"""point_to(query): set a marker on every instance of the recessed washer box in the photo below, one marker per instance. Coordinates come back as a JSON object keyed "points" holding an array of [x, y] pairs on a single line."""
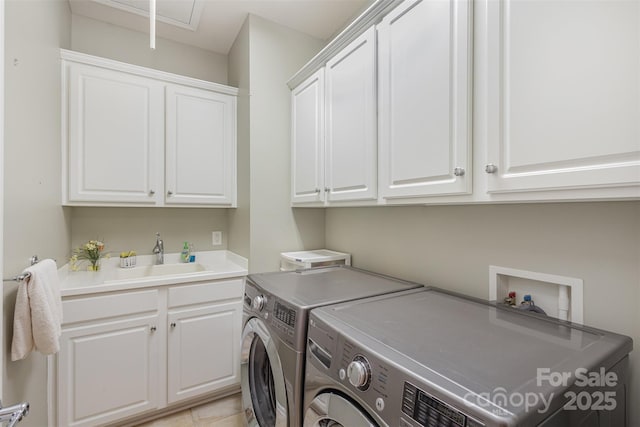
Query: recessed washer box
{"points": [[560, 296]]}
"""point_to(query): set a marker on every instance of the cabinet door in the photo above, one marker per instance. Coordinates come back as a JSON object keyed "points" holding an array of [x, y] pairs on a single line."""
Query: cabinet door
{"points": [[108, 371], [563, 94], [200, 147], [307, 136], [425, 99], [203, 349], [115, 136], [351, 145]]}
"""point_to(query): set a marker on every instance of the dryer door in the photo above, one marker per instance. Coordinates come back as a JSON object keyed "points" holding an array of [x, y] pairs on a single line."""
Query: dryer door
{"points": [[333, 410], [264, 396]]}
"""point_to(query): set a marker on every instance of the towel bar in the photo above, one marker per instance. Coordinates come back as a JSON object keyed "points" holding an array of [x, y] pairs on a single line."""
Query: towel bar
{"points": [[18, 278], [24, 276]]}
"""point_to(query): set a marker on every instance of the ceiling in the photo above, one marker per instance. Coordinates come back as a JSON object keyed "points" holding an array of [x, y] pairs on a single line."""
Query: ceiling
{"points": [[214, 24]]}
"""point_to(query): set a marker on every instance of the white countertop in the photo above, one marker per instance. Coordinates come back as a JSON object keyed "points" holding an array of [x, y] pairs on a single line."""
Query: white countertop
{"points": [[218, 265]]}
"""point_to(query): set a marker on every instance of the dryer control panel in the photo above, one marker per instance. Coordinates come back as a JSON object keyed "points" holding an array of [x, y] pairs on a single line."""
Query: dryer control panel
{"points": [[285, 314], [430, 411], [282, 319], [363, 376], [387, 390]]}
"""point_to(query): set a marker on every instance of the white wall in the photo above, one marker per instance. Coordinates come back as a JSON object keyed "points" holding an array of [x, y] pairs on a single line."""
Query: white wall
{"points": [[264, 56], [238, 219], [121, 44], [34, 221], [453, 246], [124, 229], [276, 53]]}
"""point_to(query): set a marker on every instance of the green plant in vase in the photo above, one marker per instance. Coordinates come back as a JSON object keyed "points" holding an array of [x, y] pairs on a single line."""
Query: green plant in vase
{"points": [[91, 251]]}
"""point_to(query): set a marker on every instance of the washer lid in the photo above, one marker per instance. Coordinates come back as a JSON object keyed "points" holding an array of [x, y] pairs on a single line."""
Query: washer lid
{"points": [[327, 285], [462, 345]]}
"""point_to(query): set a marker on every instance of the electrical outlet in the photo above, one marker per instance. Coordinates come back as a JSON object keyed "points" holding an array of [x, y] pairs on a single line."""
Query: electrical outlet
{"points": [[216, 238]]}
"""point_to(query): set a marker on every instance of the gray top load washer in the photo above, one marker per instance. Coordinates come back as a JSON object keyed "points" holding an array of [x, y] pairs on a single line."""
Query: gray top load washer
{"points": [[432, 358], [275, 318]]}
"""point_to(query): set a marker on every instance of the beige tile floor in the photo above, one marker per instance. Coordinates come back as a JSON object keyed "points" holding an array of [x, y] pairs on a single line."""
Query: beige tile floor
{"points": [[226, 412]]}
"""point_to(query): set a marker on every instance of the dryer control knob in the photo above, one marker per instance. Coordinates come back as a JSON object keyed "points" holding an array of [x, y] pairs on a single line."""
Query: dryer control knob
{"points": [[359, 373], [259, 302]]}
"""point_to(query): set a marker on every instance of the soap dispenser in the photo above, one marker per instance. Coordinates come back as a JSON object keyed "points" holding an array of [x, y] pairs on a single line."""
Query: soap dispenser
{"points": [[184, 255], [192, 253]]}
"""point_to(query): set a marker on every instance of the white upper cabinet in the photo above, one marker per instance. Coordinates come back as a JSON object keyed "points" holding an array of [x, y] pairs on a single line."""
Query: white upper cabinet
{"points": [[562, 96], [334, 145], [351, 142], [200, 146], [115, 136], [116, 151], [424, 78], [545, 93], [307, 137]]}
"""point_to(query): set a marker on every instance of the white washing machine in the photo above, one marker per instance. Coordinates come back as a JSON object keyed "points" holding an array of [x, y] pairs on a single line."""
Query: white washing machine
{"points": [[431, 358], [274, 336]]}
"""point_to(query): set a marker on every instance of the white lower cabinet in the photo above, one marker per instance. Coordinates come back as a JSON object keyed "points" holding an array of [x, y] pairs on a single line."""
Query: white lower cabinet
{"points": [[129, 353], [91, 373], [198, 360]]}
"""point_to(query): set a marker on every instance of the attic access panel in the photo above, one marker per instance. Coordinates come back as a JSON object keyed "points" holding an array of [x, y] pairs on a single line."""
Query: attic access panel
{"points": [[181, 13]]}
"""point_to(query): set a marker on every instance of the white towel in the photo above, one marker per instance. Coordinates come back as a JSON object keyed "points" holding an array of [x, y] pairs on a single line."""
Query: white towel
{"points": [[38, 314]]}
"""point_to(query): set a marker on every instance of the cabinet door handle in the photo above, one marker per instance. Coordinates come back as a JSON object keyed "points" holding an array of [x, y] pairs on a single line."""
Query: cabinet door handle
{"points": [[173, 324], [169, 193], [317, 190], [326, 189], [153, 328], [459, 171], [491, 168], [152, 192]]}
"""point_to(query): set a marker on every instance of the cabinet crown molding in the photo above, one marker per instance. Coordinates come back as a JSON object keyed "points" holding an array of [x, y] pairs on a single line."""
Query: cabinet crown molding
{"points": [[371, 16], [83, 58]]}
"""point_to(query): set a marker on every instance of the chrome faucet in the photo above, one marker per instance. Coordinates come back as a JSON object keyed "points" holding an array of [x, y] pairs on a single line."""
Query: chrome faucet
{"points": [[158, 250]]}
